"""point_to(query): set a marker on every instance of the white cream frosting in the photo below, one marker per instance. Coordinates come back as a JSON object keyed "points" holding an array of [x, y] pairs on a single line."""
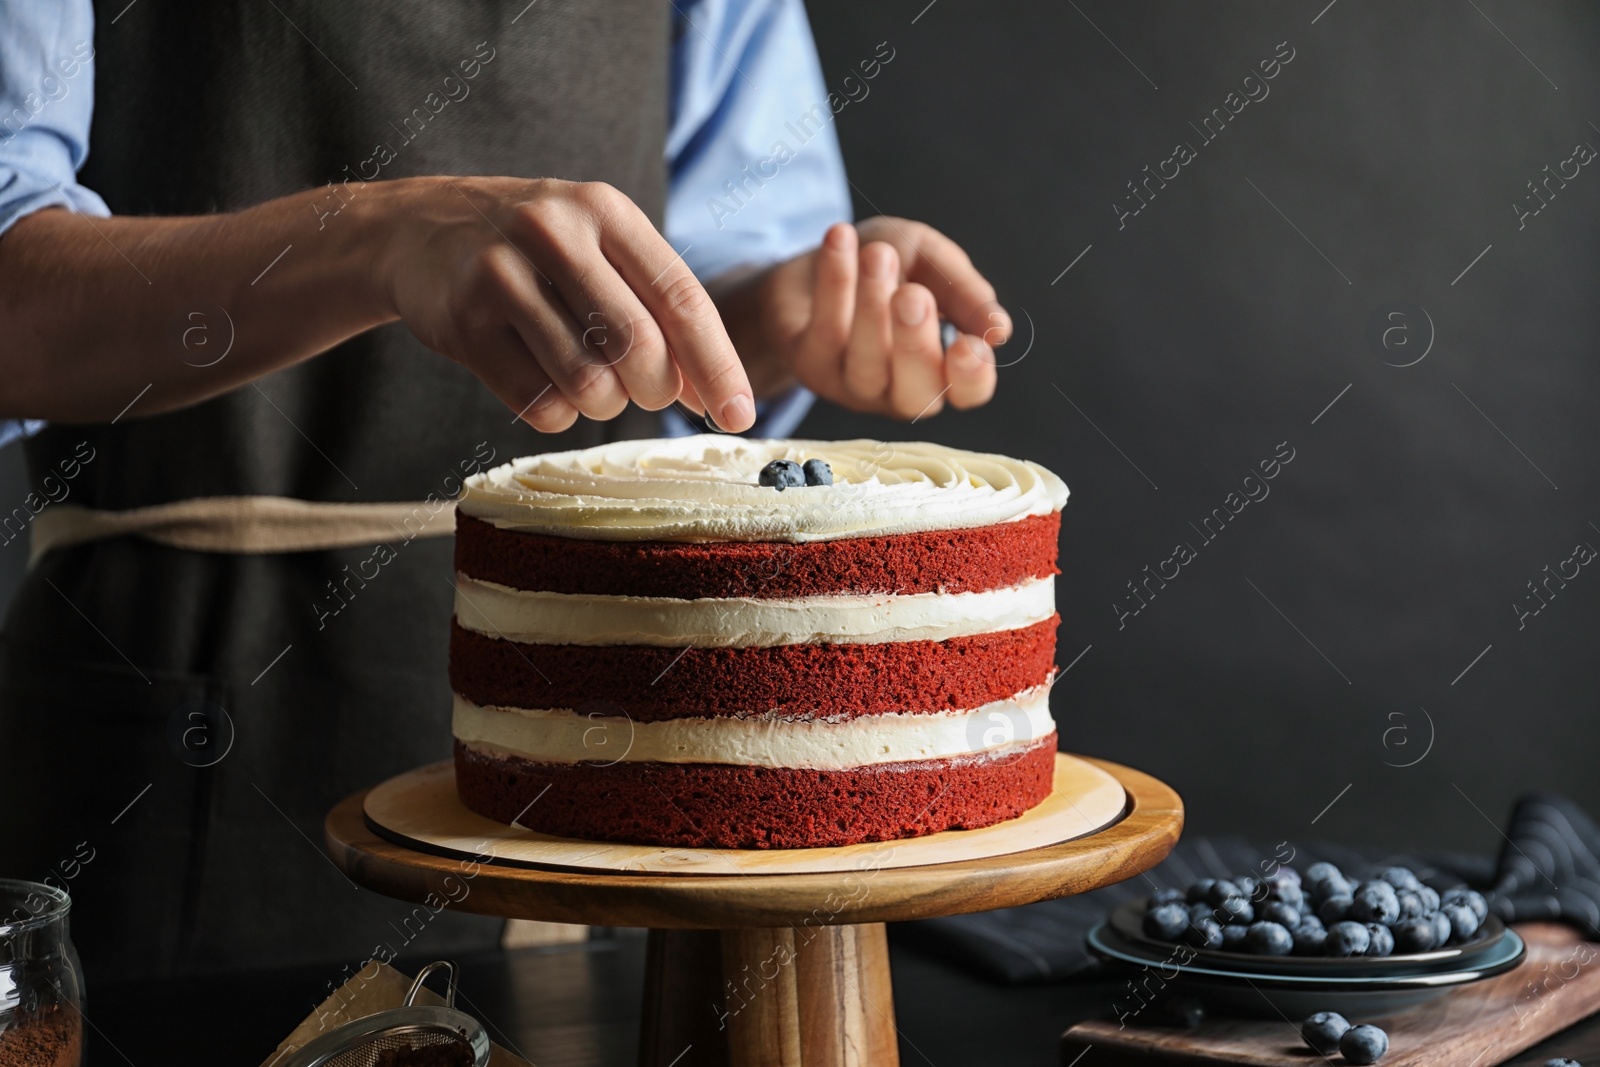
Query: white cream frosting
{"points": [[544, 618], [705, 488], [567, 736]]}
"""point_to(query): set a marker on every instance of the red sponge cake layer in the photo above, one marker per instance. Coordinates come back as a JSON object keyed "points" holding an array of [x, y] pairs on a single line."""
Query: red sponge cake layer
{"points": [[697, 805], [951, 561], [832, 681]]}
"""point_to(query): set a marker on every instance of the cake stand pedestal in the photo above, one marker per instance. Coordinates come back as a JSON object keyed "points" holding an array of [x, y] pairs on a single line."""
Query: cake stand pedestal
{"points": [[766, 969]]}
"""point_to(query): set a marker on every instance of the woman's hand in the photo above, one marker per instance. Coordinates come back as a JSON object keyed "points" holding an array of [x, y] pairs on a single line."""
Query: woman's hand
{"points": [[857, 321], [562, 297]]}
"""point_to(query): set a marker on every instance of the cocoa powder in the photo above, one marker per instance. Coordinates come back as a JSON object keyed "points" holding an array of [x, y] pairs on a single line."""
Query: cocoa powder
{"points": [[52, 1037], [450, 1054]]}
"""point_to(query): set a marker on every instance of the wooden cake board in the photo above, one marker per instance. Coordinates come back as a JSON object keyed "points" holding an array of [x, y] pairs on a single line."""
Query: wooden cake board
{"points": [[760, 966], [1488, 1022]]}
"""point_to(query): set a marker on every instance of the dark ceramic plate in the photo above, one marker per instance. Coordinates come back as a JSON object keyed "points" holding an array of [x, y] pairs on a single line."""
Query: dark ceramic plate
{"points": [[1128, 922], [1263, 993]]}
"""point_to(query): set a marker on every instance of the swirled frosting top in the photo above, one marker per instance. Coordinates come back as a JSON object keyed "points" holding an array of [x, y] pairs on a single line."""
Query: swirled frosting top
{"points": [[705, 488]]}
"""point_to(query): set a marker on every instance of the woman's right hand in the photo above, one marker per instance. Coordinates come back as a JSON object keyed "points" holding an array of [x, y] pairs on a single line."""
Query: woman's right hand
{"points": [[561, 296]]}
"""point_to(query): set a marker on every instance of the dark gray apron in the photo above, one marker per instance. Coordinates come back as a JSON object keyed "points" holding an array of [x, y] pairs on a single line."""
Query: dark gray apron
{"points": [[118, 653]]}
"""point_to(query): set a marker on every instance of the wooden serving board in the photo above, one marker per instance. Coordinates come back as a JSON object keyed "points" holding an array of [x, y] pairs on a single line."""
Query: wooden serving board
{"points": [[1556, 985], [421, 809]]}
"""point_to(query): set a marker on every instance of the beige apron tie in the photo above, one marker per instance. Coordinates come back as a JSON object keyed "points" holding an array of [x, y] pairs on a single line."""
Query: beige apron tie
{"points": [[244, 524]]}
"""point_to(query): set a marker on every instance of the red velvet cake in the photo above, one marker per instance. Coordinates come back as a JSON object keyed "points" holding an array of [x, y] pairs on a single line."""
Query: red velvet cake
{"points": [[653, 643]]}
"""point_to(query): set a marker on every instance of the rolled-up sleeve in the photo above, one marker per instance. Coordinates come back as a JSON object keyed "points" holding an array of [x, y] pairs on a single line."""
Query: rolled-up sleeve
{"points": [[46, 102]]}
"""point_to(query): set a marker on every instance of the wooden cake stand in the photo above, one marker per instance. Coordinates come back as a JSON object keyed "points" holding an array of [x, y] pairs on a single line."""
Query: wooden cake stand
{"points": [[776, 959]]}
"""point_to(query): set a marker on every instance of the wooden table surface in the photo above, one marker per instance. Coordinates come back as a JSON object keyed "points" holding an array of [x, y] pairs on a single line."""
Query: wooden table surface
{"points": [[578, 1006]]}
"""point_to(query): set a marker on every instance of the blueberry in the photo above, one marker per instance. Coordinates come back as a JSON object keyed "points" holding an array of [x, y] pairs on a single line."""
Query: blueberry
{"points": [[1250, 887], [1334, 909], [1375, 902], [1221, 890], [1276, 911], [1375, 887], [1348, 939], [1430, 898], [1382, 910], [1562, 1062], [1233, 938], [1268, 939], [1319, 872], [1201, 912], [1166, 923], [1415, 935], [1204, 934], [782, 474], [1310, 938], [1160, 897], [1463, 922], [1199, 890], [1364, 1044], [1335, 886], [1380, 940], [1411, 905], [1469, 897], [1323, 1030], [1185, 1012], [1235, 910], [1285, 874], [1289, 893], [1443, 928], [817, 472], [1401, 878]]}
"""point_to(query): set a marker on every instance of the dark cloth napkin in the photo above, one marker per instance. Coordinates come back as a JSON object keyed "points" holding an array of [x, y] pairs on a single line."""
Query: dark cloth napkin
{"points": [[1548, 868]]}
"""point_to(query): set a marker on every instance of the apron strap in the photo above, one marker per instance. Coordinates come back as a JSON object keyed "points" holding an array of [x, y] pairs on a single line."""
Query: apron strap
{"points": [[244, 524]]}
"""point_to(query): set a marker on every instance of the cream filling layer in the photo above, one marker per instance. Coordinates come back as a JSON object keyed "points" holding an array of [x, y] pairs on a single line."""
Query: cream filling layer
{"points": [[567, 736], [545, 618], [705, 488]]}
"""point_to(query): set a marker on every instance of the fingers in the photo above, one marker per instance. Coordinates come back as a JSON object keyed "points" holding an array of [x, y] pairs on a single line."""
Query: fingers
{"points": [[866, 358], [506, 366], [549, 332], [965, 296], [617, 332], [833, 303], [969, 368], [917, 383], [691, 399], [681, 307]]}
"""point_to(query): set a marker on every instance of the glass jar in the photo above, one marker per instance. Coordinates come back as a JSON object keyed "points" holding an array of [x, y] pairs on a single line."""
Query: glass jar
{"points": [[41, 991]]}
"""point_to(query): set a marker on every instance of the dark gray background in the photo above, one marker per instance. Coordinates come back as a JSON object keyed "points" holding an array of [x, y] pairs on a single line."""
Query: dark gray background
{"points": [[1209, 330]]}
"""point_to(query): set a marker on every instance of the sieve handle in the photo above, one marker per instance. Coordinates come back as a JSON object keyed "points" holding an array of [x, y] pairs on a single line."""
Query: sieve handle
{"points": [[422, 977]]}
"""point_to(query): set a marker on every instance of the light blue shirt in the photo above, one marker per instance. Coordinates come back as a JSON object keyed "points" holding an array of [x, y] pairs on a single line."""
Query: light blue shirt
{"points": [[754, 170]]}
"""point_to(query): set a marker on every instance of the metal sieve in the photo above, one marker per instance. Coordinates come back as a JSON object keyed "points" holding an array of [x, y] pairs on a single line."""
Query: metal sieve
{"points": [[362, 1043]]}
